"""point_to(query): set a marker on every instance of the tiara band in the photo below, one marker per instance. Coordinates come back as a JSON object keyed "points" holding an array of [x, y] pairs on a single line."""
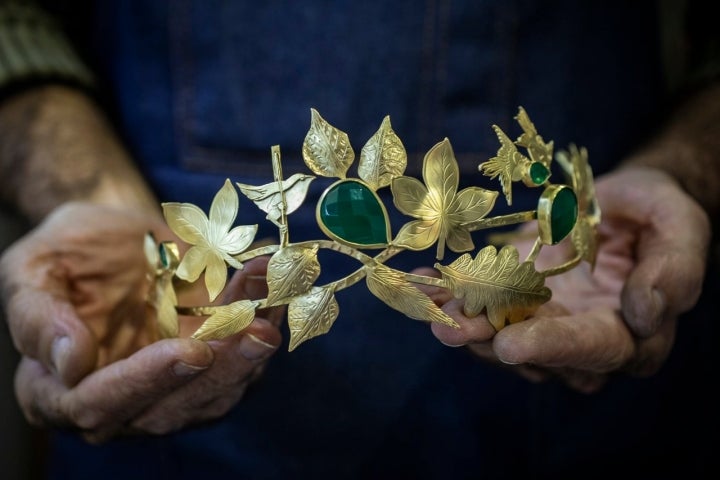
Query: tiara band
{"points": [[355, 220]]}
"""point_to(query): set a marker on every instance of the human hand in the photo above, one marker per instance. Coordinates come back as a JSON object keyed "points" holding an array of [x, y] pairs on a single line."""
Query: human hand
{"points": [[622, 316], [74, 291]]}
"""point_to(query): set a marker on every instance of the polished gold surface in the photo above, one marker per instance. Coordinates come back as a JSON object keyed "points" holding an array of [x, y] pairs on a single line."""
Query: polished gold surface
{"points": [[495, 282]]}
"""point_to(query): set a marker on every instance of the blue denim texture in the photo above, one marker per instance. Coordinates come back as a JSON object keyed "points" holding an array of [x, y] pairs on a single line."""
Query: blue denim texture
{"points": [[204, 88]]}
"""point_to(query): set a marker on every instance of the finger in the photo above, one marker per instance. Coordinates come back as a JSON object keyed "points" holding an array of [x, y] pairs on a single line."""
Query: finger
{"points": [[472, 330], [437, 294], [250, 282], [582, 381], [104, 400], [672, 248], [44, 326], [237, 361], [597, 341], [653, 351], [531, 373]]}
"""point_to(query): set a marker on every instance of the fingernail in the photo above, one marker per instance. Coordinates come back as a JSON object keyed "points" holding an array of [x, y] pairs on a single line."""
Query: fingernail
{"points": [[182, 369], [253, 348], [59, 353]]}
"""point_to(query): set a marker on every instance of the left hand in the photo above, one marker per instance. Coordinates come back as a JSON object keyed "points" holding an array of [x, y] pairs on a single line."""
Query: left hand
{"points": [[620, 317]]}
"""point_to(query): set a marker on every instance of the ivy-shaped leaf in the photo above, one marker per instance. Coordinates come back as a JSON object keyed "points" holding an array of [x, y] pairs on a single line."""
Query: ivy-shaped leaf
{"points": [[227, 320], [382, 158], [326, 149], [508, 289], [390, 286], [311, 315], [291, 272]]}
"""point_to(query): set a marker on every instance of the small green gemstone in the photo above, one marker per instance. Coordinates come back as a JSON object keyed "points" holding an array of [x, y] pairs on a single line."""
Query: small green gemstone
{"points": [[539, 173], [163, 256], [563, 214], [354, 214]]}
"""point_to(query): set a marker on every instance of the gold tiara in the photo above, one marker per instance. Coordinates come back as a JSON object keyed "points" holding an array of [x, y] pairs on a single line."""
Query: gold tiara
{"points": [[355, 220]]}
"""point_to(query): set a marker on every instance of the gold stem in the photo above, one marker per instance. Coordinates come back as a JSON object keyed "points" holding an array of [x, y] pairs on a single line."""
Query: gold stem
{"points": [[569, 265], [277, 173], [535, 250], [501, 220], [340, 284], [433, 281]]}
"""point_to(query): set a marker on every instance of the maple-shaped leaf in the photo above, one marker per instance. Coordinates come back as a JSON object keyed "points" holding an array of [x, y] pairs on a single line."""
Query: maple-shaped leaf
{"points": [[441, 211], [537, 148], [227, 320], [498, 282], [507, 164], [311, 315], [269, 197], [390, 286], [326, 149], [291, 271], [382, 158], [212, 239]]}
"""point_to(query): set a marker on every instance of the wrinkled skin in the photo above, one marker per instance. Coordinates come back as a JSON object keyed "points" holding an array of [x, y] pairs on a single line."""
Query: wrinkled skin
{"points": [[620, 317], [74, 291]]}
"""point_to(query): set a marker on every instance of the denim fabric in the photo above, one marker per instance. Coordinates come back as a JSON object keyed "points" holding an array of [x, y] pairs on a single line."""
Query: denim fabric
{"points": [[204, 88]]}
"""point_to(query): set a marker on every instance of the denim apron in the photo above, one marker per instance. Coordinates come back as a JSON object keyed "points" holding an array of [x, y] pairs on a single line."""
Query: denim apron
{"points": [[204, 88]]}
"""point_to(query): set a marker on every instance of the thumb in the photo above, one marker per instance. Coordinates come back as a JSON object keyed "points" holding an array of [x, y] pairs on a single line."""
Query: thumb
{"points": [[46, 328]]}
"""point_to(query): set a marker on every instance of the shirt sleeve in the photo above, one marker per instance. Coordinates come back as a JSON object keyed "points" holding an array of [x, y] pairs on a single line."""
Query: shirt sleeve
{"points": [[34, 49]]}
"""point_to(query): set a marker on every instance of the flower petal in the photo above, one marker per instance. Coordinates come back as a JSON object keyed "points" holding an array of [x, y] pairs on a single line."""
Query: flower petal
{"points": [[223, 211], [192, 264], [215, 275], [238, 239], [187, 221]]}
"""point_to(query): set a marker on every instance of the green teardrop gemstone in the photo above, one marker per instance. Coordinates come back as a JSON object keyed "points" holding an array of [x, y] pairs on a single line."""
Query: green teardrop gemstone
{"points": [[352, 213], [538, 173], [563, 214]]}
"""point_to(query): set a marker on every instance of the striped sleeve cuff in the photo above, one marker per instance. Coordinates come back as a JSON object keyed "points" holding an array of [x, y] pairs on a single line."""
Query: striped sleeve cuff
{"points": [[34, 48]]}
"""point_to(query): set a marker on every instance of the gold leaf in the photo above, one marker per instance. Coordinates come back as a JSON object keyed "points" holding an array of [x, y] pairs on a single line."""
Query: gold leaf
{"points": [[443, 214], [390, 286], [166, 314], [507, 164], [584, 239], [186, 220], [417, 235], [311, 315], [382, 158], [161, 296], [291, 272], [537, 148], [509, 290], [269, 197], [326, 149], [227, 320], [576, 167]]}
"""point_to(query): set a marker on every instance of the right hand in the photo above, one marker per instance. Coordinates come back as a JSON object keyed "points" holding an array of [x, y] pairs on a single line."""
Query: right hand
{"points": [[74, 293]]}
